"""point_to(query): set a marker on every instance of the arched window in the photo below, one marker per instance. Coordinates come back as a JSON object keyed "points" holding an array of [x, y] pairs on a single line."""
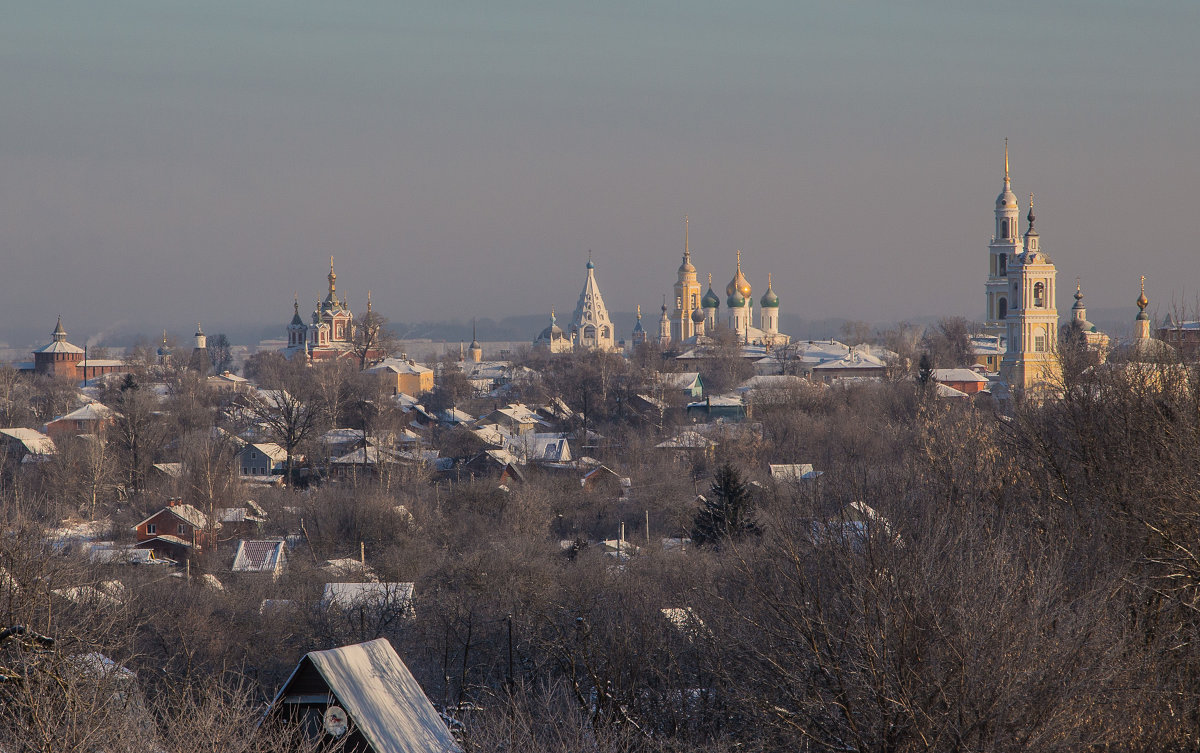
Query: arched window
{"points": [[1039, 295], [1002, 309], [1002, 265]]}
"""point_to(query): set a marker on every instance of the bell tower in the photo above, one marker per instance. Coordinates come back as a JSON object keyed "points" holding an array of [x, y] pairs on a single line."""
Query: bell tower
{"points": [[1030, 363], [1003, 249]]}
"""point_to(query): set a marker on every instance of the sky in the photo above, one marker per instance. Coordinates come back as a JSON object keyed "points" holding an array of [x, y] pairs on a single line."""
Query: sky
{"points": [[163, 163]]}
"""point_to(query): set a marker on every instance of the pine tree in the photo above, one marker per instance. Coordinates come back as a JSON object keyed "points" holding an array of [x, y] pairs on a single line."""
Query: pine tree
{"points": [[925, 370], [728, 514]]}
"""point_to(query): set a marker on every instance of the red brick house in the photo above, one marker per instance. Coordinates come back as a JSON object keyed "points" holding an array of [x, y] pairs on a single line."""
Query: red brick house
{"points": [[963, 380], [177, 532]]}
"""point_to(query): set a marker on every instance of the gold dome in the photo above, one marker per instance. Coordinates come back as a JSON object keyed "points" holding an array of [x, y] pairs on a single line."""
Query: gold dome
{"points": [[739, 281]]}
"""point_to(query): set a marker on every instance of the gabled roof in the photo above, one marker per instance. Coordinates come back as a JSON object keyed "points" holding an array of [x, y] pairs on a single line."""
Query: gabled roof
{"points": [[34, 442], [793, 471], [270, 449], [399, 366], [383, 699], [186, 513], [259, 556], [687, 440], [89, 412]]}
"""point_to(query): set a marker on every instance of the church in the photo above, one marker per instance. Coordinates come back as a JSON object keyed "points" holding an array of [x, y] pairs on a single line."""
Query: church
{"points": [[330, 335], [695, 317]]}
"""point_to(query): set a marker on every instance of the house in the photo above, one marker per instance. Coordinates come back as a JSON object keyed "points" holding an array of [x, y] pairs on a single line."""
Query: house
{"points": [[26, 445], [176, 531], [261, 459], [241, 521], [363, 698], [229, 382], [260, 556], [725, 406], [365, 460], [373, 595], [92, 418], [858, 364], [687, 384], [498, 464], [688, 442], [402, 375], [963, 380], [988, 351], [605, 480], [793, 472]]}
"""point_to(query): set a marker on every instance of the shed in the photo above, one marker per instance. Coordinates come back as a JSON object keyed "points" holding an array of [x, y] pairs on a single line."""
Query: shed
{"points": [[365, 695]]}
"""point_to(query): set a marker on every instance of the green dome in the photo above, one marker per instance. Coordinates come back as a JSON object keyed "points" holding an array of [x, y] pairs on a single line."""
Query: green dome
{"points": [[770, 300], [735, 300], [710, 300]]}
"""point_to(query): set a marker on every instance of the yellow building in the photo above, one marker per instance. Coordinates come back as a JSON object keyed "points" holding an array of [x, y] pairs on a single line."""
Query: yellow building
{"points": [[402, 375], [1030, 365]]}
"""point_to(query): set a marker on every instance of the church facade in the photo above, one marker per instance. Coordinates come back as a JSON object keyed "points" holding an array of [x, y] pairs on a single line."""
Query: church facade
{"points": [[330, 333]]}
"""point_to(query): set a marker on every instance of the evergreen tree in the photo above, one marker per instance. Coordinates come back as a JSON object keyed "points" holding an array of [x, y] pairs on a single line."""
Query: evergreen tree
{"points": [[728, 514], [925, 370]]}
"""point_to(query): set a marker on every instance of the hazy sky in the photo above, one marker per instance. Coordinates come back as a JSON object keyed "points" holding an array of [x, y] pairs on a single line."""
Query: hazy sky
{"points": [[163, 163]]}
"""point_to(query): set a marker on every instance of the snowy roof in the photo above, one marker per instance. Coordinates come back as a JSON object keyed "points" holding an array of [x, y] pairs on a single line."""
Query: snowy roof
{"points": [[381, 696], [369, 456], [187, 513], [685, 380], [271, 450], [174, 470], [34, 442], [259, 556], [688, 440], [346, 566], [945, 390], [793, 471], [958, 375], [772, 382], [855, 359], [60, 346], [399, 366], [89, 412], [347, 595]]}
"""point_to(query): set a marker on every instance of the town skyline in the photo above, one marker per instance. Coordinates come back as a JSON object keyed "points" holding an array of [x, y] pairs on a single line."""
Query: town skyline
{"points": [[203, 164]]}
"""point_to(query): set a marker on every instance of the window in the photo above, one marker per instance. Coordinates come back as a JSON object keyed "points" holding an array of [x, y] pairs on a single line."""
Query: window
{"points": [[1002, 309], [678, 303], [1002, 262], [151, 529], [183, 529], [1039, 295], [1039, 343], [694, 302]]}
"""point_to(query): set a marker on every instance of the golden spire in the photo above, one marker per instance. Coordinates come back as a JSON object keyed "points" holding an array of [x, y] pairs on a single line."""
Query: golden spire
{"points": [[1142, 301], [687, 251], [296, 303], [739, 258], [332, 276], [768, 280], [368, 301], [710, 279], [639, 309]]}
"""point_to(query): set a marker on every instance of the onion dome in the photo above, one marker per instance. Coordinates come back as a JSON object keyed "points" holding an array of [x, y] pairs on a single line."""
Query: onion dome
{"points": [[739, 282], [710, 299], [1142, 302], [735, 300], [697, 316], [1031, 218], [769, 299]]}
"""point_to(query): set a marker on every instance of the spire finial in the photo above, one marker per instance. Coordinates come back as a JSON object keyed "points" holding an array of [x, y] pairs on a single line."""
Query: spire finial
{"points": [[368, 300], [768, 280], [1142, 301], [1078, 290], [739, 260], [664, 309], [332, 276], [639, 310], [1030, 216], [296, 303], [710, 279], [687, 249], [552, 319], [473, 323], [1006, 160]]}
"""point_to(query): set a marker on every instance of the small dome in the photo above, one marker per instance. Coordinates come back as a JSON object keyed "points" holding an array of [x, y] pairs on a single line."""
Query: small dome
{"points": [[590, 265], [710, 299], [769, 299], [735, 300], [1007, 199], [686, 268], [698, 316]]}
